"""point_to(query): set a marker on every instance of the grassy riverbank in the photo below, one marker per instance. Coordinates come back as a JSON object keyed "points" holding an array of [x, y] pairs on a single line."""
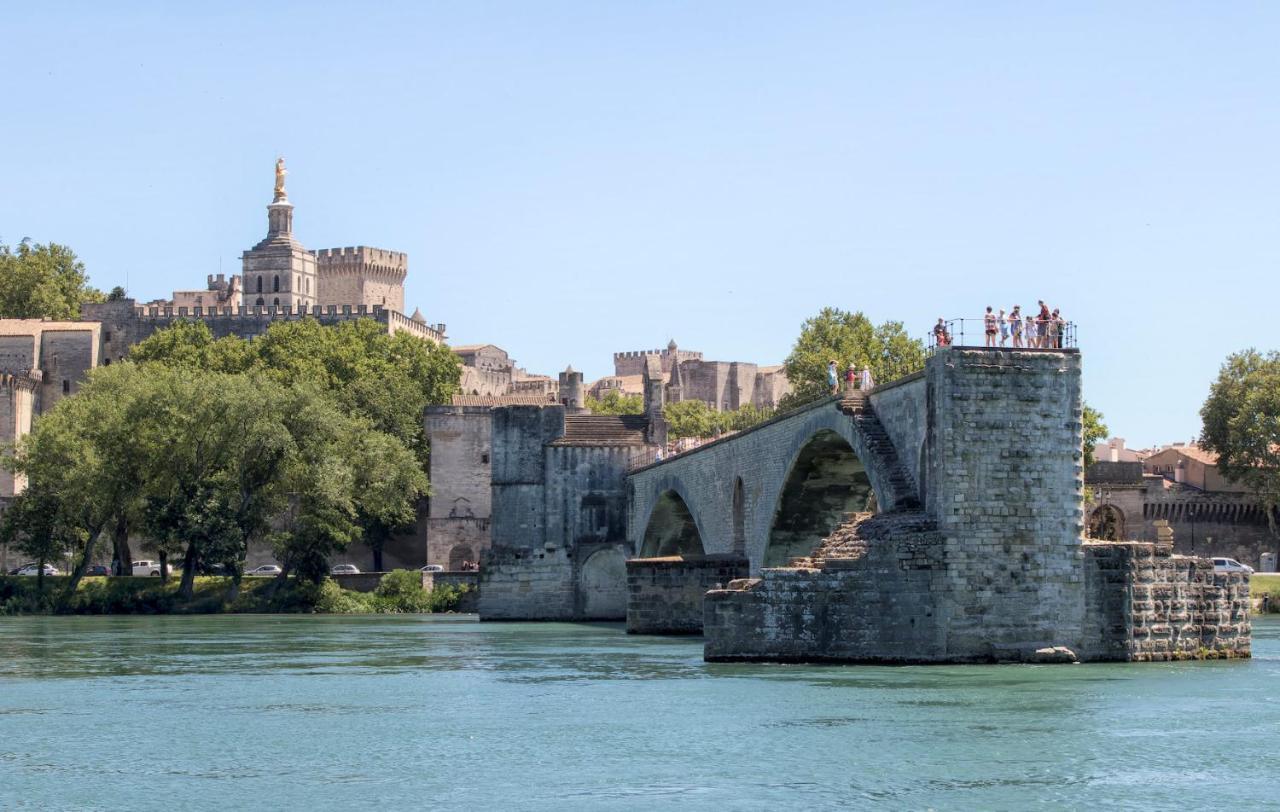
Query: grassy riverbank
{"points": [[1266, 584], [398, 592]]}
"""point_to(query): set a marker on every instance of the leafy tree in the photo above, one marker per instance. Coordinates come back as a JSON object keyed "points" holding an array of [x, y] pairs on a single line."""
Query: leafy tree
{"points": [[117, 294], [31, 526], [1095, 431], [388, 379], [689, 418], [614, 402], [847, 338], [1242, 424], [42, 281]]}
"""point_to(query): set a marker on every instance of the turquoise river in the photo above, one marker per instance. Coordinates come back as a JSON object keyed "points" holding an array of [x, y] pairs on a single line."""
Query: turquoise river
{"points": [[312, 713]]}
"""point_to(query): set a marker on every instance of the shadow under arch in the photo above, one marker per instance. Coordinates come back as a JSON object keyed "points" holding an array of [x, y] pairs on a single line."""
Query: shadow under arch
{"points": [[671, 529], [826, 481]]}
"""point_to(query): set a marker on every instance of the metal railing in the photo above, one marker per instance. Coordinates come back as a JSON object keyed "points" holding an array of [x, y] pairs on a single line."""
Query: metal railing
{"points": [[969, 332]]}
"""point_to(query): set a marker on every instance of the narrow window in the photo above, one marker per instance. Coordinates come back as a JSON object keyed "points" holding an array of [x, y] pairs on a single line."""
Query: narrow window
{"points": [[276, 301], [106, 335], [484, 459], [259, 286], [275, 284], [66, 386]]}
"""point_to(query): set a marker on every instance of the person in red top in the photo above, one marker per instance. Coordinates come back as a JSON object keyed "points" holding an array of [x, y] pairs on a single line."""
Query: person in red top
{"points": [[1043, 320]]}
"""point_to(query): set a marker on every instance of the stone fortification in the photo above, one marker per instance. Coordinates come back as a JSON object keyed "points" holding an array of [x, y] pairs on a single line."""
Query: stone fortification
{"points": [[558, 527], [665, 595], [1144, 603], [360, 275]]}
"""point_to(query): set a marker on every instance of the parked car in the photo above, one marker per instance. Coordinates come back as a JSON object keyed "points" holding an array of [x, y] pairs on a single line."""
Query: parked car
{"points": [[265, 569], [1231, 565], [432, 568], [147, 567], [98, 569], [34, 569], [345, 569], [14, 571]]}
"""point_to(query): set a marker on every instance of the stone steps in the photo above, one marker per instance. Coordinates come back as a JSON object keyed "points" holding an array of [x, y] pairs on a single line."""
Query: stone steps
{"points": [[877, 442], [852, 538]]}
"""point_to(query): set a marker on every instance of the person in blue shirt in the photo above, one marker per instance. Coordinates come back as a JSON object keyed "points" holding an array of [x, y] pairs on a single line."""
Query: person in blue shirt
{"points": [[833, 377]]}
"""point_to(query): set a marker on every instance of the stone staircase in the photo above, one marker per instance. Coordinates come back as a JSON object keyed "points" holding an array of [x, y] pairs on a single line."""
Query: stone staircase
{"points": [[853, 537], [903, 489]]}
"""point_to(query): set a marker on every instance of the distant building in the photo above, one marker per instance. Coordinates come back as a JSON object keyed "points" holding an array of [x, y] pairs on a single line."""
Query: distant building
{"points": [[1192, 466], [722, 385], [1179, 484]]}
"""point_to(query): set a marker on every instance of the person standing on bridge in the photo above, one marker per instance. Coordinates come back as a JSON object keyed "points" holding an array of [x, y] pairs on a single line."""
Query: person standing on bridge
{"points": [[833, 377], [989, 327], [850, 379], [1015, 325], [867, 382]]}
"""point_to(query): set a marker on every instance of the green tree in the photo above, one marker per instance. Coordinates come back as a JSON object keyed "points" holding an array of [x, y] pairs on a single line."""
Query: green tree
{"points": [[689, 418], [42, 281], [1242, 424], [1095, 431], [847, 338], [614, 402]]}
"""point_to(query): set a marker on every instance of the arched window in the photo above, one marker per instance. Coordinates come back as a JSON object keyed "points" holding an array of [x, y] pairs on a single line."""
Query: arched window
{"points": [[260, 302], [308, 284], [259, 287], [275, 285], [276, 301]]}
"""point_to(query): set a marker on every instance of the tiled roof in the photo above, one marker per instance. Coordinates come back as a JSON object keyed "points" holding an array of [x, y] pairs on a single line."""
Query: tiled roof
{"points": [[1195, 452], [603, 429]]}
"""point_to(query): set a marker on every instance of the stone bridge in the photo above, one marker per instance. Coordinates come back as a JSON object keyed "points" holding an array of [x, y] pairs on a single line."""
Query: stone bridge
{"points": [[935, 519], [771, 492]]}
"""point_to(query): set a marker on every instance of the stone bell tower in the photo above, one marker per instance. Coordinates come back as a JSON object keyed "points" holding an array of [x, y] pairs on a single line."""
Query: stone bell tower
{"points": [[279, 271]]}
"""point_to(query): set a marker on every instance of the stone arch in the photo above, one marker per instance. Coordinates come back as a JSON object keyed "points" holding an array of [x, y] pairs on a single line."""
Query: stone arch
{"points": [[1106, 523], [671, 529], [602, 583], [459, 554], [739, 518], [826, 480], [648, 502]]}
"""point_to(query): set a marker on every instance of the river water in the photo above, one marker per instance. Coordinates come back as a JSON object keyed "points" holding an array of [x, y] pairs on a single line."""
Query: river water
{"points": [[293, 712]]}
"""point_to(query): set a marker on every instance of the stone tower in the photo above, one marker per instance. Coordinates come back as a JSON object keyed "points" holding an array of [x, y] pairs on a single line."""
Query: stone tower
{"points": [[279, 272], [571, 391]]}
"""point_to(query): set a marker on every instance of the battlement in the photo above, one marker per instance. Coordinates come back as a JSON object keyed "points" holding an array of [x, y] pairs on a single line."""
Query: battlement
{"points": [[363, 253], [325, 314], [683, 355], [28, 381]]}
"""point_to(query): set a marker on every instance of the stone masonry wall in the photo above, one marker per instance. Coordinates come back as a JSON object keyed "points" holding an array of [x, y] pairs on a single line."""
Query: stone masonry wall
{"points": [[903, 409], [665, 595], [1145, 603], [1005, 471]]}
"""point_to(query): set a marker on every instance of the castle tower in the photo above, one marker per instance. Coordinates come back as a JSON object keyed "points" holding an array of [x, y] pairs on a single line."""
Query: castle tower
{"points": [[279, 271], [571, 391]]}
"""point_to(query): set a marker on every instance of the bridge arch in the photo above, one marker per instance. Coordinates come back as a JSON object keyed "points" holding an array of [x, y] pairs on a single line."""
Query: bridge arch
{"points": [[671, 529], [825, 480]]}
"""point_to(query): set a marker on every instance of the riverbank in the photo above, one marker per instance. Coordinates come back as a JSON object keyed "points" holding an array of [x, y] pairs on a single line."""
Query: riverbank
{"points": [[399, 592], [1267, 584]]}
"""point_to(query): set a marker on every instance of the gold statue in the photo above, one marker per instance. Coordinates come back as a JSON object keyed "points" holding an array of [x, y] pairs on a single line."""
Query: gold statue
{"points": [[280, 173]]}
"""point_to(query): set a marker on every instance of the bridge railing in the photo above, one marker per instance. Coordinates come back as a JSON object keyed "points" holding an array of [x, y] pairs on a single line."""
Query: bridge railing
{"points": [[971, 332]]}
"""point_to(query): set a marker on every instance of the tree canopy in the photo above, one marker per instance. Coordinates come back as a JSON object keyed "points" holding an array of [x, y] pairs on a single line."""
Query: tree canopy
{"points": [[386, 379], [614, 402], [1242, 423], [848, 338], [1095, 431], [694, 418], [42, 281]]}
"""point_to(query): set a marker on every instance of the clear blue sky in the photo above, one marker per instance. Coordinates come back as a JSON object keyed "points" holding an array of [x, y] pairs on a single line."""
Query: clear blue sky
{"points": [[571, 179]]}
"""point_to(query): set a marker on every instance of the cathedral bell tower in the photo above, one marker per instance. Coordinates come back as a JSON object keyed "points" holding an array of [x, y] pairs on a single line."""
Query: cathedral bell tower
{"points": [[279, 272]]}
